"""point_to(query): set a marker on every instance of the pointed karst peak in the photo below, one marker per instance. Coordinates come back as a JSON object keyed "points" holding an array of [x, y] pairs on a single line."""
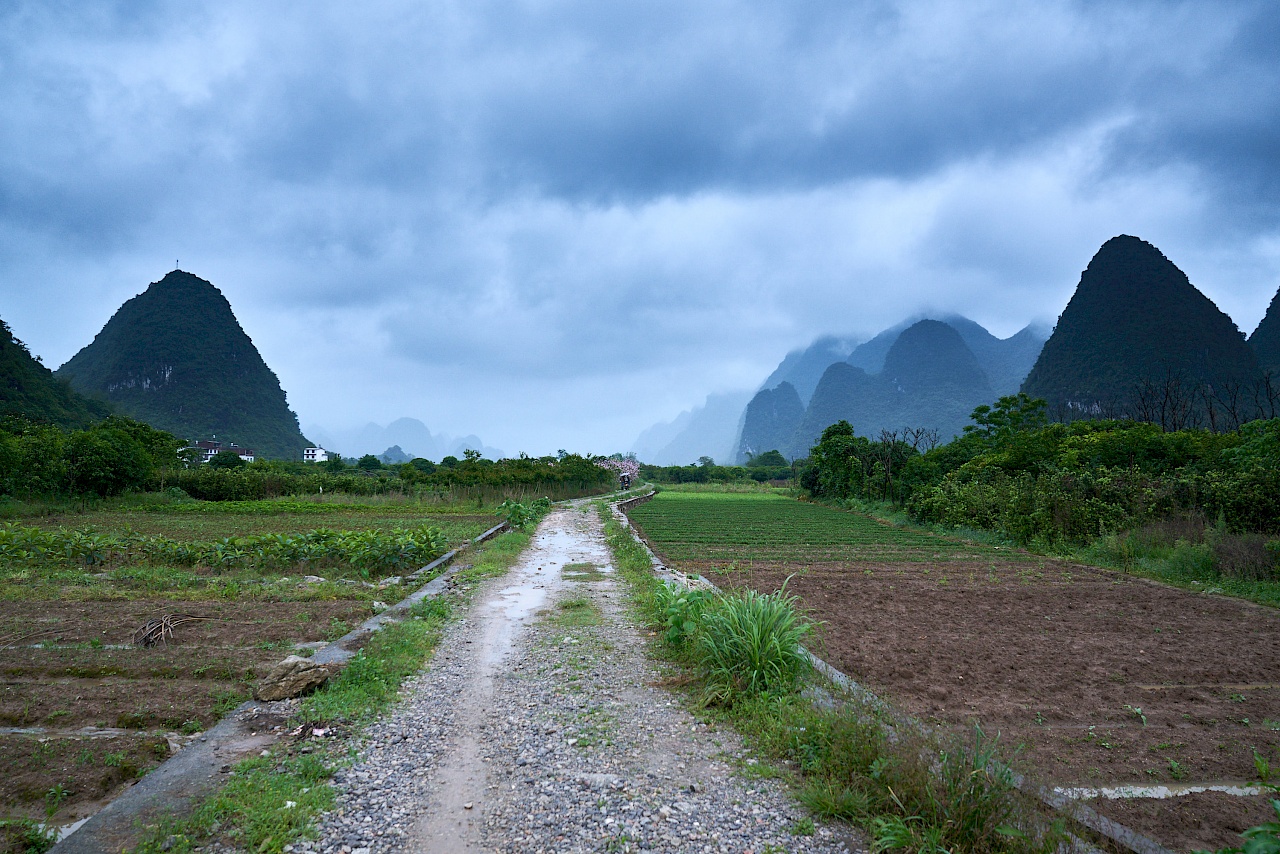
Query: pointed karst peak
{"points": [[1136, 319], [1129, 272], [930, 353], [176, 357]]}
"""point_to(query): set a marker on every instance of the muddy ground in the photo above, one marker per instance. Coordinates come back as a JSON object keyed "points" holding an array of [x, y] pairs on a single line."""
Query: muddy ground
{"points": [[81, 708], [1096, 678]]}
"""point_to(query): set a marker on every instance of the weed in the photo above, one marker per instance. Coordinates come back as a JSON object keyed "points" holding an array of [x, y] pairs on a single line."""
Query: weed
{"points": [[578, 611], [682, 609], [224, 700], [1137, 712], [803, 827], [1176, 771]]}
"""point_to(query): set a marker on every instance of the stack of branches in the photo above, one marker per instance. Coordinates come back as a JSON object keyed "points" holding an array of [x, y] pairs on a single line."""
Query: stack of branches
{"points": [[158, 630]]}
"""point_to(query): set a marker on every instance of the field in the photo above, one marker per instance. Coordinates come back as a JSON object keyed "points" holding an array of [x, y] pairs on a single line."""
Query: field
{"points": [[1099, 678], [85, 711]]}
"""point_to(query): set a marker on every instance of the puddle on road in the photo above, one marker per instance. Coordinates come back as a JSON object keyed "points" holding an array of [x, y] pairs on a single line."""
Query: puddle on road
{"points": [[531, 584]]}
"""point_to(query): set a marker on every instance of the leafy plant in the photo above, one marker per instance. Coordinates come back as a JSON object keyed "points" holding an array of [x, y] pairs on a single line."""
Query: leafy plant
{"points": [[518, 515], [682, 609]]}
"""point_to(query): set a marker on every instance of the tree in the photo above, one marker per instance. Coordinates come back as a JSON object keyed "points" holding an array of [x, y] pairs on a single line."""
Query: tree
{"points": [[1012, 413], [769, 459], [106, 461], [226, 460], [369, 463]]}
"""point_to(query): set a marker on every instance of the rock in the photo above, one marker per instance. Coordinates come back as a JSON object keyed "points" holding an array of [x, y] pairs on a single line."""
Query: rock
{"points": [[293, 677], [312, 579], [379, 607]]}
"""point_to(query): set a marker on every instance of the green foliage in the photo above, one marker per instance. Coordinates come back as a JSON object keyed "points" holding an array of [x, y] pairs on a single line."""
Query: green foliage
{"points": [[706, 471], [227, 460], [114, 456], [30, 390], [844, 465], [520, 515], [682, 609], [750, 643], [371, 553], [369, 463]]}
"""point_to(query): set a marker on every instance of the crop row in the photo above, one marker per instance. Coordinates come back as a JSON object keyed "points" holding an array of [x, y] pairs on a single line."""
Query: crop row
{"points": [[371, 553], [694, 526]]}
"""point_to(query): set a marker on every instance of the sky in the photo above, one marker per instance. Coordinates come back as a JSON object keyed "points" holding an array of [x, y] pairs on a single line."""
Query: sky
{"points": [[553, 224]]}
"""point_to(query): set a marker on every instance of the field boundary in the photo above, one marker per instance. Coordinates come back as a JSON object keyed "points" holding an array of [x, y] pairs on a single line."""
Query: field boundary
{"points": [[194, 770], [1080, 813]]}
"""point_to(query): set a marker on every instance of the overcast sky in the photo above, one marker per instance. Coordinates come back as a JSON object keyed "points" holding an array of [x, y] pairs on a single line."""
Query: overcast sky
{"points": [[554, 223]]}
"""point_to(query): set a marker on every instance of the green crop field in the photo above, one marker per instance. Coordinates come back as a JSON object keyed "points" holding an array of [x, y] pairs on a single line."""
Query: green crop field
{"points": [[213, 520], [761, 527]]}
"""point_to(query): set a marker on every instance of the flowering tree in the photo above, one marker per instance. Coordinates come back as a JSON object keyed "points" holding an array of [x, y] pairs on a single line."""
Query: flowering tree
{"points": [[622, 468]]}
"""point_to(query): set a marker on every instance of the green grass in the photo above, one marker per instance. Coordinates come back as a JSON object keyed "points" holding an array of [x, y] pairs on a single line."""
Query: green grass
{"points": [[574, 612], [767, 527], [1188, 565], [254, 518]]}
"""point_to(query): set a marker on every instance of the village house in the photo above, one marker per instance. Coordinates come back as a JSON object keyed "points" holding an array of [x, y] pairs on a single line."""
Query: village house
{"points": [[209, 449]]}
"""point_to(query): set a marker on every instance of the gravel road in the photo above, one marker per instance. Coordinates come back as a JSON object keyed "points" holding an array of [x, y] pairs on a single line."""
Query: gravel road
{"points": [[541, 726]]}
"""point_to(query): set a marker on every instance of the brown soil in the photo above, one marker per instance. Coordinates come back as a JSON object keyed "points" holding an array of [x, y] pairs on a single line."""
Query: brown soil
{"points": [[87, 769], [234, 623], [63, 673], [1062, 660], [1207, 821]]}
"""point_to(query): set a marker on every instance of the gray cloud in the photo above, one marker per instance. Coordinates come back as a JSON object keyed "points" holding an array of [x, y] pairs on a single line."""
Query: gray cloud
{"points": [[522, 206]]}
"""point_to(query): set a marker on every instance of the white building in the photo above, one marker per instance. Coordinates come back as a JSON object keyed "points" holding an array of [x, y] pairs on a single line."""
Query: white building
{"points": [[209, 449], [315, 455]]}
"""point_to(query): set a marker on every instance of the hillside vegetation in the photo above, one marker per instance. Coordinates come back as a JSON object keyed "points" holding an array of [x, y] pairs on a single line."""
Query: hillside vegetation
{"points": [[30, 390], [1138, 340], [176, 357]]}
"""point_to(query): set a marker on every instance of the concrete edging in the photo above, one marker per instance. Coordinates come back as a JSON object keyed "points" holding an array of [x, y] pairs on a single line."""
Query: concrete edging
{"points": [[177, 782], [1080, 813]]}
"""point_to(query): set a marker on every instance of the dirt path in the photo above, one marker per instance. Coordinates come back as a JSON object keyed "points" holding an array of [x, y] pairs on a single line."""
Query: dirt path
{"points": [[540, 726]]}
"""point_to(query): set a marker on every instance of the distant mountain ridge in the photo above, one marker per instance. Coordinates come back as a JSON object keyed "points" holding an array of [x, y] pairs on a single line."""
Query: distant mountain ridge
{"points": [[1135, 333], [176, 357], [30, 390], [409, 435], [930, 378], [708, 430], [803, 368]]}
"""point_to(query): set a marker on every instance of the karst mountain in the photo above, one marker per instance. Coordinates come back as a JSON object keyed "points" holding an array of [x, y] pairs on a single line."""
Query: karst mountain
{"points": [[1138, 339], [176, 357]]}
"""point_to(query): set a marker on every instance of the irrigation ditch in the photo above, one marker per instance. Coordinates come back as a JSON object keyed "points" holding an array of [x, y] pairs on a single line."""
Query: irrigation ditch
{"points": [[252, 727], [1064, 803]]}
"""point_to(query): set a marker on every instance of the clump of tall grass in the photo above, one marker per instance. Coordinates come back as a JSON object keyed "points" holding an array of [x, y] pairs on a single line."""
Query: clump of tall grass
{"points": [[749, 643]]}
